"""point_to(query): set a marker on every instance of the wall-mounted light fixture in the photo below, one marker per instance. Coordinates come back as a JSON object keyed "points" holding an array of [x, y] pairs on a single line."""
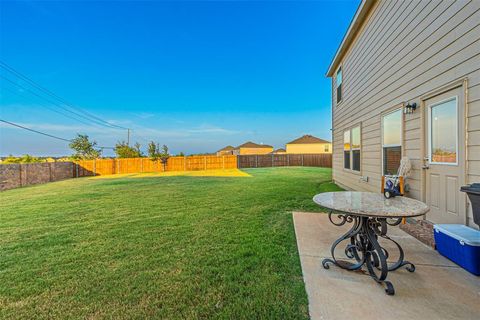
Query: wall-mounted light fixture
{"points": [[409, 108]]}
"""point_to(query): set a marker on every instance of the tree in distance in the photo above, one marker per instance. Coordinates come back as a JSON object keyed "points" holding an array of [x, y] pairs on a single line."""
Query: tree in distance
{"points": [[84, 148], [123, 150], [157, 153]]}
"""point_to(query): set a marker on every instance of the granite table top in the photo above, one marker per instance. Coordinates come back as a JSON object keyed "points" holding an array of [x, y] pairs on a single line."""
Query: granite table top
{"points": [[371, 204]]}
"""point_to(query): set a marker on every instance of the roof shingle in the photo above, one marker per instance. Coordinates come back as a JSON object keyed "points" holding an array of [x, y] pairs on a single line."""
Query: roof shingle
{"points": [[250, 144], [227, 148], [308, 139]]}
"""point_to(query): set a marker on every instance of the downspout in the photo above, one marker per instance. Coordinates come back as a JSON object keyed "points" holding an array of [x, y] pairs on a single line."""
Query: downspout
{"points": [[465, 88], [331, 126]]}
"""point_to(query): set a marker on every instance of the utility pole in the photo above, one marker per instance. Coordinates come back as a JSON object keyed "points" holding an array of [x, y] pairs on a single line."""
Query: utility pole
{"points": [[128, 137]]}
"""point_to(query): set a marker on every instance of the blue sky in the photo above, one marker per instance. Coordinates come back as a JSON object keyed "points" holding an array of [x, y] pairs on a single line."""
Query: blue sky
{"points": [[193, 75]]}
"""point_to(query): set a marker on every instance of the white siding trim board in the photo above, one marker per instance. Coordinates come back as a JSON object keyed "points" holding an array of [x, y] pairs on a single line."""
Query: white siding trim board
{"points": [[414, 72], [396, 67], [397, 51], [367, 61], [416, 90], [359, 44]]}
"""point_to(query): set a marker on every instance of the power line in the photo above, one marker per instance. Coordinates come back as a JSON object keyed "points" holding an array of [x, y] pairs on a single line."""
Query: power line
{"points": [[56, 104], [43, 133], [32, 130], [73, 111], [83, 114], [47, 107], [45, 90], [139, 136]]}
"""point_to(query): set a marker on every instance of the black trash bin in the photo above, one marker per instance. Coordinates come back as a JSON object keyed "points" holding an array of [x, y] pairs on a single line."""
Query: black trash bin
{"points": [[473, 192]]}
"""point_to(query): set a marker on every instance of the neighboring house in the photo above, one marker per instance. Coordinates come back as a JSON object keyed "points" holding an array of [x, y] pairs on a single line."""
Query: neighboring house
{"points": [[397, 54], [228, 150], [252, 148], [279, 151], [309, 144]]}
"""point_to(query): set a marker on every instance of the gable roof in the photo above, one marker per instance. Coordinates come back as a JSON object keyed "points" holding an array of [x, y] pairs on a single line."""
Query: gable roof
{"points": [[308, 139], [250, 144], [227, 148], [355, 25]]}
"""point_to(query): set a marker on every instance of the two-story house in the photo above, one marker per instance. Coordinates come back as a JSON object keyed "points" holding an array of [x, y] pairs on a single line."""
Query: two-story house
{"points": [[309, 144], [406, 82], [252, 148]]}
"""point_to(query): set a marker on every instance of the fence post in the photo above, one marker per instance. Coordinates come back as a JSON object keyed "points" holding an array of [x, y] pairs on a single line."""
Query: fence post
{"points": [[302, 160], [50, 170], [184, 163], [20, 173], [256, 161], [223, 162], [205, 162], [94, 167], [76, 169], [141, 165], [238, 162], [288, 160], [272, 161]]}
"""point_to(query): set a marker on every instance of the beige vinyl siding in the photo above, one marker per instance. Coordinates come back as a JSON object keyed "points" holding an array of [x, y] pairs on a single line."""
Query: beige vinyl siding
{"points": [[406, 50]]}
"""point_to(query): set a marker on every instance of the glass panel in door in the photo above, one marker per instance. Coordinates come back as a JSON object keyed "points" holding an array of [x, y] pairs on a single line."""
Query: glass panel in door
{"points": [[443, 132]]}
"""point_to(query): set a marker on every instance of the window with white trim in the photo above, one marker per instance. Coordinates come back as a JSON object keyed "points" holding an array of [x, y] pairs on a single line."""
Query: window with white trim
{"points": [[356, 148], [346, 149], [351, 149], [339, 80], [392, 141]]}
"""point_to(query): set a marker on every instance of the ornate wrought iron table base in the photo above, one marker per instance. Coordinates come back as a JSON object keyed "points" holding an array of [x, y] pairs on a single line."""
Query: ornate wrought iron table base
{"points": [[364, 248]]}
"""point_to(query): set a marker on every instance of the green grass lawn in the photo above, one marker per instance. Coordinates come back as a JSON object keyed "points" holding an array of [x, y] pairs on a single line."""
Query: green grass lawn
{"points": [[157, 247]]}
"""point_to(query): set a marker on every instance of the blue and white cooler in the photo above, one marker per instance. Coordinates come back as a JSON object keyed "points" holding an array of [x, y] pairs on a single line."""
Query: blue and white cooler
{"points": [[459, 243]]}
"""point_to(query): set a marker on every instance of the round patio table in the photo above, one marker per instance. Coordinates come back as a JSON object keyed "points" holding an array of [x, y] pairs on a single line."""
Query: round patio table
{"points": [[369, 213]]}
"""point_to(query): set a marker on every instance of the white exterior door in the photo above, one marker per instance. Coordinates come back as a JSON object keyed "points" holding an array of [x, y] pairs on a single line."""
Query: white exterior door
{"points": [[445, 157]]}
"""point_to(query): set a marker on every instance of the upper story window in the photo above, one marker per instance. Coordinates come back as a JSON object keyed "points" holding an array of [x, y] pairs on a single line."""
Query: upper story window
{"points": [[339, 85], [326, 148], [392, 141], [351, 149]]}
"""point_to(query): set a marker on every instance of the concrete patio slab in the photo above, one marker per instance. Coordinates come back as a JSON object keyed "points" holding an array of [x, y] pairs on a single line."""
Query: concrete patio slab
{"points": [[438, 289]]}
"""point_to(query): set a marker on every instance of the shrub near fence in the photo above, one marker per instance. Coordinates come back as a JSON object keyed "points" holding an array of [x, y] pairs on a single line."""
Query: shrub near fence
{"points": [[283, 160], [139, 165]]}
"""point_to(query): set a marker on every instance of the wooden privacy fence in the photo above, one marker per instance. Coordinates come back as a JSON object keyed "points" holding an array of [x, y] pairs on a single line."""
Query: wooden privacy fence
{"points": [[284, 160], [192, 163], [138, 165]]}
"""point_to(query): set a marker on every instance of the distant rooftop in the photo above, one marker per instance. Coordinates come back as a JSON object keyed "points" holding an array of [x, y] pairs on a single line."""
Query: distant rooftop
{"points": [[308, 139], [227, 148], [250, 144]]}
